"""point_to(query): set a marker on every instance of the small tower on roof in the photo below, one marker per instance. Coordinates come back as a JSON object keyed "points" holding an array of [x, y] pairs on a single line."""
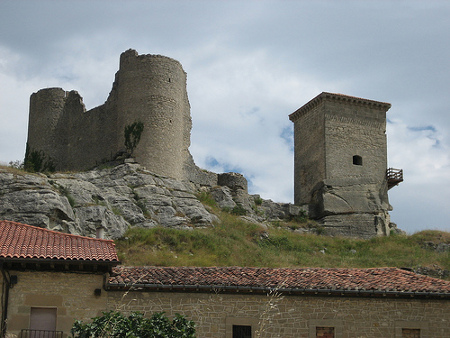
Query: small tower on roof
{"points": [[340, 164]]}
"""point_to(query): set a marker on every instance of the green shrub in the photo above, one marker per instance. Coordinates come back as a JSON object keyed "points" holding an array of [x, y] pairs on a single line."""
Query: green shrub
{"points": [[206, 198], [132, 134], [36, 161], [258, 200], [65, 192], [239, 210], [16, 165], [115, 324]]}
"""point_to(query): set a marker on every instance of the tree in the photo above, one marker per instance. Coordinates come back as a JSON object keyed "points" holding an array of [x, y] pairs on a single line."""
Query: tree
{"points": [[132, 134], [115, 324]]}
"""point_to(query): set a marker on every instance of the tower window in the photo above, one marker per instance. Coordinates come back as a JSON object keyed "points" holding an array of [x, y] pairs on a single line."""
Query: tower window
{"points": [[357, 160]]}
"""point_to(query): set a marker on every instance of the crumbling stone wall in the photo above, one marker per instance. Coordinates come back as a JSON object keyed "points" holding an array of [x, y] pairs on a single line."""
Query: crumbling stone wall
{"points": [[148, 88], [340, 164]]}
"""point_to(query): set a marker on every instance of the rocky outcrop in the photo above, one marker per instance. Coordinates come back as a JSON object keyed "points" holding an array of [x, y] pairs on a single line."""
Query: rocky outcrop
{"points": [[344, 208], [117, 198]]}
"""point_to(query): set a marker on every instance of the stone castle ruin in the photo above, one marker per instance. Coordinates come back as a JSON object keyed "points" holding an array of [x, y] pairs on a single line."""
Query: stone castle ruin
{"points": [[340, 164], [340, 142], [150, 89]]}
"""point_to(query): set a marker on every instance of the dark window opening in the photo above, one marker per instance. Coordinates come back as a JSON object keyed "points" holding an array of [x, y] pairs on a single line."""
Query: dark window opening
{"points": [[242, 331], [357, 160], [324, 332], [411, 333]]}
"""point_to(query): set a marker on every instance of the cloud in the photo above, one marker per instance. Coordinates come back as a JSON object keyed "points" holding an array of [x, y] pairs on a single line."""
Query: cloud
{"points": [[421, 201], [249, 65]]}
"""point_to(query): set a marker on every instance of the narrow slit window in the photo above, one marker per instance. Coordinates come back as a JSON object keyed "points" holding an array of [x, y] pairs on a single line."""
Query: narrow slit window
{"points": [[357, 160]]}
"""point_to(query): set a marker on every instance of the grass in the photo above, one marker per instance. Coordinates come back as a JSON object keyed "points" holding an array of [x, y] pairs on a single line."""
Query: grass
{"points": [[15, 171], [235, 242]]}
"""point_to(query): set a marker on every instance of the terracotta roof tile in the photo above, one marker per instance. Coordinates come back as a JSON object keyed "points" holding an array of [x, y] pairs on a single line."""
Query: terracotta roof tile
{"points": [[25, 241], [320, 279]]}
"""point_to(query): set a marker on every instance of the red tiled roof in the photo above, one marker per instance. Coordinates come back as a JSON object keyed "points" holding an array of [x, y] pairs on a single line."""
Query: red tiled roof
{"points": [[374, 280], [25, 241]]}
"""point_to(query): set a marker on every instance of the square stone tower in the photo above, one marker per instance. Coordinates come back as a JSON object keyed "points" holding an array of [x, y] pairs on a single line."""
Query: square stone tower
{"points": [[340, 164]]}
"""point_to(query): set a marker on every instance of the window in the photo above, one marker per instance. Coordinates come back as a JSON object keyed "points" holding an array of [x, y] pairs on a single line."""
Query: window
{"points": [[324, 332], [242, 331], [325, 328], [410, 333], [240, 327], [357, 160], [411, 329], [42, 322]]}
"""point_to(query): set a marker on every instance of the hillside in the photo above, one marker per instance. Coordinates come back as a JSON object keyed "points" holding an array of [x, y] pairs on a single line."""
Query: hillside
{"points": [[119, 197], [235, 242], [161, 221]]}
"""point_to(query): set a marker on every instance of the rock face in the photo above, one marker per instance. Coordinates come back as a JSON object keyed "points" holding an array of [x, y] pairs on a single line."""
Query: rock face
{"points": [[127, 195]]}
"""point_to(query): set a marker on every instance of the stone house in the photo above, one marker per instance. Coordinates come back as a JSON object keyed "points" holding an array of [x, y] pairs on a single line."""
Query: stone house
{"points": [[50, 278], [58, 278]]}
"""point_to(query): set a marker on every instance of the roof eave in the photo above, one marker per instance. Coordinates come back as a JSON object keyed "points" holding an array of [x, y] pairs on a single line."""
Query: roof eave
{"points": [[266, 290]]}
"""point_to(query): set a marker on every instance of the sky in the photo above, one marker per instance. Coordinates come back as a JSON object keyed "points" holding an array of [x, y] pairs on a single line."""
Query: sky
{"points": [[249, 65]]}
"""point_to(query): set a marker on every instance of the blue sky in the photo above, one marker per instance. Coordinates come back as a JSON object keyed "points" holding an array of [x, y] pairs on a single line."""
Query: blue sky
{"points": [[249, 65]]}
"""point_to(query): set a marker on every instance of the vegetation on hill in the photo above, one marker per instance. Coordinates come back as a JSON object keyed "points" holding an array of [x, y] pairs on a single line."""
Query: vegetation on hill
{"points": [[236, 242]]}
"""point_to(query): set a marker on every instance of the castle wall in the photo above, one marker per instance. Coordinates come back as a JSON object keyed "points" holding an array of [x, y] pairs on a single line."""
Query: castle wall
{"points": [[148, 88], [355, 130], [152, 89], [309, 158], [46, 109]]}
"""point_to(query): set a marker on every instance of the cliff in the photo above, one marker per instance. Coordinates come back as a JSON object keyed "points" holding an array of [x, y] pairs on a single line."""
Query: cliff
{"points": [[117, 198]]}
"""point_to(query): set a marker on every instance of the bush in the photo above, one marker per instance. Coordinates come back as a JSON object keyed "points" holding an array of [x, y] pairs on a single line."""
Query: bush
{"points": [[115, 324], [36, 161], [239, 210], [206, 199], [132, 134]]}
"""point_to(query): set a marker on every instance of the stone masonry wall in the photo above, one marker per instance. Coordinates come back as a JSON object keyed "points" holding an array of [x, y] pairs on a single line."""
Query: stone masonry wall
{"points": [[309, 159], [355, 130], [148, 88], [152, 89], [292, 316], [340, 164], [72, 294], [273, 315]]}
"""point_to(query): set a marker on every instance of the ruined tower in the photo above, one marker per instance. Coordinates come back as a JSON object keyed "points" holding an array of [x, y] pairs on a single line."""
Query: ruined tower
{"points": [[340, 164], [150, 89]]}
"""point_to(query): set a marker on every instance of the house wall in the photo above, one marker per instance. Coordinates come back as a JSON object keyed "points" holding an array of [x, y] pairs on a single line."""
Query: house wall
{"points": [[292, 316], [72, 294], [215, 314]]}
